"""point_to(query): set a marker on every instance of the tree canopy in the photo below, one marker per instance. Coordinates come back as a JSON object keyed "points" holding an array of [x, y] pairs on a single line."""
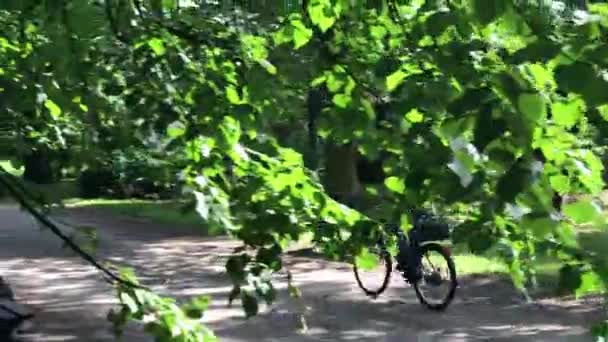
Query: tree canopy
{"points": [[471, 90]]}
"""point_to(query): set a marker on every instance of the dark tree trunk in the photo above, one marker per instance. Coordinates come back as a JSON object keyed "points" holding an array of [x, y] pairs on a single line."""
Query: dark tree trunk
{"points": [[38, 167], [341, 178]]}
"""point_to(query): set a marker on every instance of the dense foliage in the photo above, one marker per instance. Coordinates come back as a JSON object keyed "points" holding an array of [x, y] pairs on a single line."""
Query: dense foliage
{"points": [[469, 92]]}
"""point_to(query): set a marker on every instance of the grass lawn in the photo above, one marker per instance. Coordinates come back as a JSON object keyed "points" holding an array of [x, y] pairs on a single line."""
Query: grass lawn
{"points": [[164, 212]]}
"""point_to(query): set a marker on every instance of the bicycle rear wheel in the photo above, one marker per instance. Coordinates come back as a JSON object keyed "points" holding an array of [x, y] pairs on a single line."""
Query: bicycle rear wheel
{"points": [[374, 282], [437, 286]]}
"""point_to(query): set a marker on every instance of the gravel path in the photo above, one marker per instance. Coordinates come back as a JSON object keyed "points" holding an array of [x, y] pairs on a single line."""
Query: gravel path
{"points": [[71, 300]]}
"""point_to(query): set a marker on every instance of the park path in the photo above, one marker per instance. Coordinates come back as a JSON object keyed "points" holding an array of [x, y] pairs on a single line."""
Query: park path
{"points": [[71, 300]]}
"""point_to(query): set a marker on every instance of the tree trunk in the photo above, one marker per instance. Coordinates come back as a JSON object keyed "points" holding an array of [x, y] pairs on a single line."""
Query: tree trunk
{"points": [[341, 179], [38, 167]]}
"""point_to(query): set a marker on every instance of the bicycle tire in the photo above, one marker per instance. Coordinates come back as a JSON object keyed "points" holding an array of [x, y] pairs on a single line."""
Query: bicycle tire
{"points": [[453, 281], [388, 265]]}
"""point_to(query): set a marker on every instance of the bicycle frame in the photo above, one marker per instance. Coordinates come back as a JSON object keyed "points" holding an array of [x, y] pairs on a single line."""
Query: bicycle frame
{"points": [[409, 250]]}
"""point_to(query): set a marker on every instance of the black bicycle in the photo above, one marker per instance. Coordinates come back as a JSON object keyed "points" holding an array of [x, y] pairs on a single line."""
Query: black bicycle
{"points": [[419, 253]]}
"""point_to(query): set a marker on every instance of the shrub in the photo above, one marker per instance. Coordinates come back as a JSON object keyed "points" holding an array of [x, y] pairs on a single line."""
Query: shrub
{"points": [[98, 181], [131, 173]]}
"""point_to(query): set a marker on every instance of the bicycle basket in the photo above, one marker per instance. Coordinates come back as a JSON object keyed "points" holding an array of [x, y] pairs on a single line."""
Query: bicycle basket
{"points": [[433, 231]]}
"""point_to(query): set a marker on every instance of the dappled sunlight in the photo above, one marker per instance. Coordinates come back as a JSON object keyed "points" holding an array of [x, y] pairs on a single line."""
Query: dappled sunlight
{"points": [[70, 299]]}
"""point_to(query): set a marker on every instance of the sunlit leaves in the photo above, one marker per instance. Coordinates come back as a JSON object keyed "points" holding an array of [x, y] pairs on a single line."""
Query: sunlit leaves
{"points": [[157, 45], [255, 48], [176, 129], [579, 279], [560, 183], [395, 79], [395, 184], [322, 13], [232, 95], [197, 306], [591, 283], [53, 108], [532, 106], [567, 114], [367, 260], [160, 316], [295, 31], [583, 211], [414, 116], [540, 227], [342, 100]]}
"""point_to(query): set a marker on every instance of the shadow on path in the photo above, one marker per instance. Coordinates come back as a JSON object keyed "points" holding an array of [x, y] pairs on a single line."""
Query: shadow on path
{"points": [[71, 300]]}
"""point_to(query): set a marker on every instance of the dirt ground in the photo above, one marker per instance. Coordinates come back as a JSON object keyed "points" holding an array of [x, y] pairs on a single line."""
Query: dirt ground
{"points": [[71, 300]]}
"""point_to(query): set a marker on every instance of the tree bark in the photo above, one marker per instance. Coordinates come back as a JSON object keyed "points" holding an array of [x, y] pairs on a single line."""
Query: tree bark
{"points": [[38, 167], [341, 178]]}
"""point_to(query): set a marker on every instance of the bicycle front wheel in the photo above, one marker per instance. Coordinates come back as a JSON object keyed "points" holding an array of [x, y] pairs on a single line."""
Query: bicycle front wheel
{"points": [[438, 283], [374, 281]]}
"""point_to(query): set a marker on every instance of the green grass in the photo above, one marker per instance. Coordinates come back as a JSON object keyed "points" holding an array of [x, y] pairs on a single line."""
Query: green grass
{"points": [[467, 264], [56, 192], [163, 212], [594, 241]]}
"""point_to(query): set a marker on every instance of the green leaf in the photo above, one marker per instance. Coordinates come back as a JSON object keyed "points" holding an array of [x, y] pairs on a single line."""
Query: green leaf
{"points": [[157, 45], [590, 283], [560, 183], [334, 82], [342, 100], [53, 108], [517, 274], [395, 184], [378, 31], [320, 13], [395, 79], [301, 34], [540, 227], [414, 116], [176, 129], [533, 106], [196, 307], [127, 300], [271, 69], [567, 114], [582, 78], [233, 95], [255, 46], [366, 260], [583, 211]]}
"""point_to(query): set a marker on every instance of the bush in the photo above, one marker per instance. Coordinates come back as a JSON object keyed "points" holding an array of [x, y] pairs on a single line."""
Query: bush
{"points": [[130, 173], [142, 175], [99, 181]]}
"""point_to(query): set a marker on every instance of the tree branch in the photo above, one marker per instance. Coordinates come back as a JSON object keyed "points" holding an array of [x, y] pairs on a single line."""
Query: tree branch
{"points": [[113, 23]]}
